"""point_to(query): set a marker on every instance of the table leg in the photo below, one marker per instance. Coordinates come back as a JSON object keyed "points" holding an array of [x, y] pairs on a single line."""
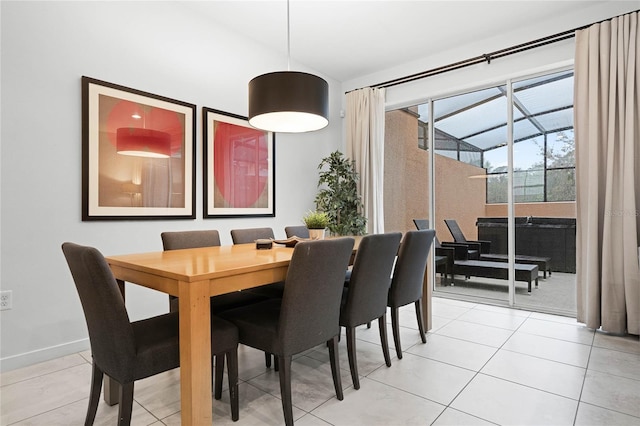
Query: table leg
{"points": [[195, 353]]}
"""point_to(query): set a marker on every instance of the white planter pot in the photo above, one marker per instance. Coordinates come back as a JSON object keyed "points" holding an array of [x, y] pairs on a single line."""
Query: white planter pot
{"points": [[316, 234]]}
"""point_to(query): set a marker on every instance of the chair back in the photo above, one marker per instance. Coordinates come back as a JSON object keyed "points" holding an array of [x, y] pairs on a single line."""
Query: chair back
{"points": [[249, 235], [424, 224], [421, 223], [455, 230], [370, 279], [110, 332], [408, 275], [310, 308], [190, 239], [296, 231]]}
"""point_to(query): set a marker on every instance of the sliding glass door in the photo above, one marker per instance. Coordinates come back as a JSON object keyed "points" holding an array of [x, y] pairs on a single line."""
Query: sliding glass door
{"points": [[502, 171]]}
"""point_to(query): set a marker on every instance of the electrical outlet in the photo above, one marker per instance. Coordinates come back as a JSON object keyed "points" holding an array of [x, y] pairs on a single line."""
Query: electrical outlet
{"points": [[6, 300]]}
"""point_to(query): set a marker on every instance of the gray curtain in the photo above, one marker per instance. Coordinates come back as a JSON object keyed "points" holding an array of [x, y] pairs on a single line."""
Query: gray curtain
{"points": [[607, 132]]}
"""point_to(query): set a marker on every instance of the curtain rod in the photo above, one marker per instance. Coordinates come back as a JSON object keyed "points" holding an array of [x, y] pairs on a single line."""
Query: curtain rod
{"points": [[487, 57]]}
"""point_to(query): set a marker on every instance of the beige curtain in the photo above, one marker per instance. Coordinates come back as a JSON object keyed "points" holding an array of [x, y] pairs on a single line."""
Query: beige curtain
{"points": [[607, 132], [365, 145]]}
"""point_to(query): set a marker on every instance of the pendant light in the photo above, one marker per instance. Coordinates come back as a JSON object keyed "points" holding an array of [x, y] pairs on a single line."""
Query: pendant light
{"points": [[288, 101]]}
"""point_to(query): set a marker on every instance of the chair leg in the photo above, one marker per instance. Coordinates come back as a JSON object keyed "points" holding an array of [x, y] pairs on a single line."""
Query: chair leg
{"points": [[369, 324], [276, 363], [420, 322], [353, 362], [218, 375], [267, 359], [94, 396], [382, 325], [232, 372], [395, 325], [335, 367], [285, 389], [126, 404]]}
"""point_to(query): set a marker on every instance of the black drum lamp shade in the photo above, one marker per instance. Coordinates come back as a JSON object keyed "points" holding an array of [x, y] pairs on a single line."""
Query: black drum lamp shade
{"points": [[289, 102]]}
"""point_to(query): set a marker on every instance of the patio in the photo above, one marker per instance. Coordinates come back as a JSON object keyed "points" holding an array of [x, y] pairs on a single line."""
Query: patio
{"points": [[556, 293]]}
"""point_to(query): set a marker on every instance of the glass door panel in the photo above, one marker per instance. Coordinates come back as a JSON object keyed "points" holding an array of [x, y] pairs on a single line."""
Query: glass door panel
{"points": [[470, 168], [544, 190]]}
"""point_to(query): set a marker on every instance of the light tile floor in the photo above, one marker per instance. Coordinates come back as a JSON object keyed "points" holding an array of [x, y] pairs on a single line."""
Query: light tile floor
{"points": [[481, 365]]}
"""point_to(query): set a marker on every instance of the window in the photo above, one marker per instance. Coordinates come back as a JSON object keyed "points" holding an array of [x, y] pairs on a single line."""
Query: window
{"points": [[471, 128]]}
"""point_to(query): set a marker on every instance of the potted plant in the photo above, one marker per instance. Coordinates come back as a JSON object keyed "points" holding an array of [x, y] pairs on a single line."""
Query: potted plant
{"points": [[316, 222], [339, 196]]}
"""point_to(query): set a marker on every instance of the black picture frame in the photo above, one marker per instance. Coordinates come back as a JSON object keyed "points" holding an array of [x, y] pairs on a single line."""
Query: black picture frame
{"points": [[138, 154], [238, 167]]}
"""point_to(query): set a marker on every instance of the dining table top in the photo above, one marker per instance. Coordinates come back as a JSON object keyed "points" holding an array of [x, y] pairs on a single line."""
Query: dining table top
{"points": [[196, 264], [225, 265]]}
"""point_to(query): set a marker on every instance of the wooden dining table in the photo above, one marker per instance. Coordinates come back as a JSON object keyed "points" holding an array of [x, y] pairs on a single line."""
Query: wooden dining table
{"points": [[194, 275]]}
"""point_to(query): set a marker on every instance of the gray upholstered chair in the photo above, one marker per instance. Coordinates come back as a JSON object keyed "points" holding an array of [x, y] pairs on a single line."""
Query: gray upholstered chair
{"points": [[187, 239], [249, 235], [206, 238], [129, 351], [365, 299], [275, 290], [190, 239], [408, 279], [297, 231], [444, 256], [306, 316]]}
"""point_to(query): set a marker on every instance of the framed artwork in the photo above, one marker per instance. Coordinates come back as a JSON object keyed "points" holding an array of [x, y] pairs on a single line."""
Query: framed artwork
{"points": [[238, 167], [137, 154]]}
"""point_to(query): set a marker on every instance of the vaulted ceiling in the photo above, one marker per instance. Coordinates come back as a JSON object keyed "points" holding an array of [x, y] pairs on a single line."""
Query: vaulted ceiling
{"points": [[347, 39]]}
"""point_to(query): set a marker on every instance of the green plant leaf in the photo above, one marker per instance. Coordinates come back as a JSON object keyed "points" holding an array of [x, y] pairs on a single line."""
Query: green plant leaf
{"points": [[338, 195]]}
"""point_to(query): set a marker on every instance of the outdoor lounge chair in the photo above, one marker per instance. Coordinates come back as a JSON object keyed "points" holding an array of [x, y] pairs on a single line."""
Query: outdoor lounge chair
{"points": [[483, 246], [543, 263], [497, 270]]}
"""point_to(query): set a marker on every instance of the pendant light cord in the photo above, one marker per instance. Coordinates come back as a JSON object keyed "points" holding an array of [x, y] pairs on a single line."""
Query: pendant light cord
{"points": [[288, 40]]}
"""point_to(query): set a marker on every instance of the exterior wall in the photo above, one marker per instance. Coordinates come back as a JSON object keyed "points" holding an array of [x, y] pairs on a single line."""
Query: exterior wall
{"points": [[406, 182], [458, 196], [405, 173], [560, 209]]}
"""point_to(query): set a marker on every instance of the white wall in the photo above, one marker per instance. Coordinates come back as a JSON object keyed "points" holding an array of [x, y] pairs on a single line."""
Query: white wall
{"points": [[538, 60], [153, 47]]}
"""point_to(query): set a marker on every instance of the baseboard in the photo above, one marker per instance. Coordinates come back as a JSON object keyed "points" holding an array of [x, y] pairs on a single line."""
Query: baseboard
{"points": [[34, 357]]}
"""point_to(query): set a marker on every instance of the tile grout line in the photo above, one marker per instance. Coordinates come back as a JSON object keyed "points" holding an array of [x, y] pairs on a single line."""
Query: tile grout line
{"points": [[584, 379]]}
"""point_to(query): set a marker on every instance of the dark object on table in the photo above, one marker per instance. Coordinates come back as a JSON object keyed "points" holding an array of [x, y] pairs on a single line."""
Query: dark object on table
{"points": [[263, 244], [291, 241]]}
